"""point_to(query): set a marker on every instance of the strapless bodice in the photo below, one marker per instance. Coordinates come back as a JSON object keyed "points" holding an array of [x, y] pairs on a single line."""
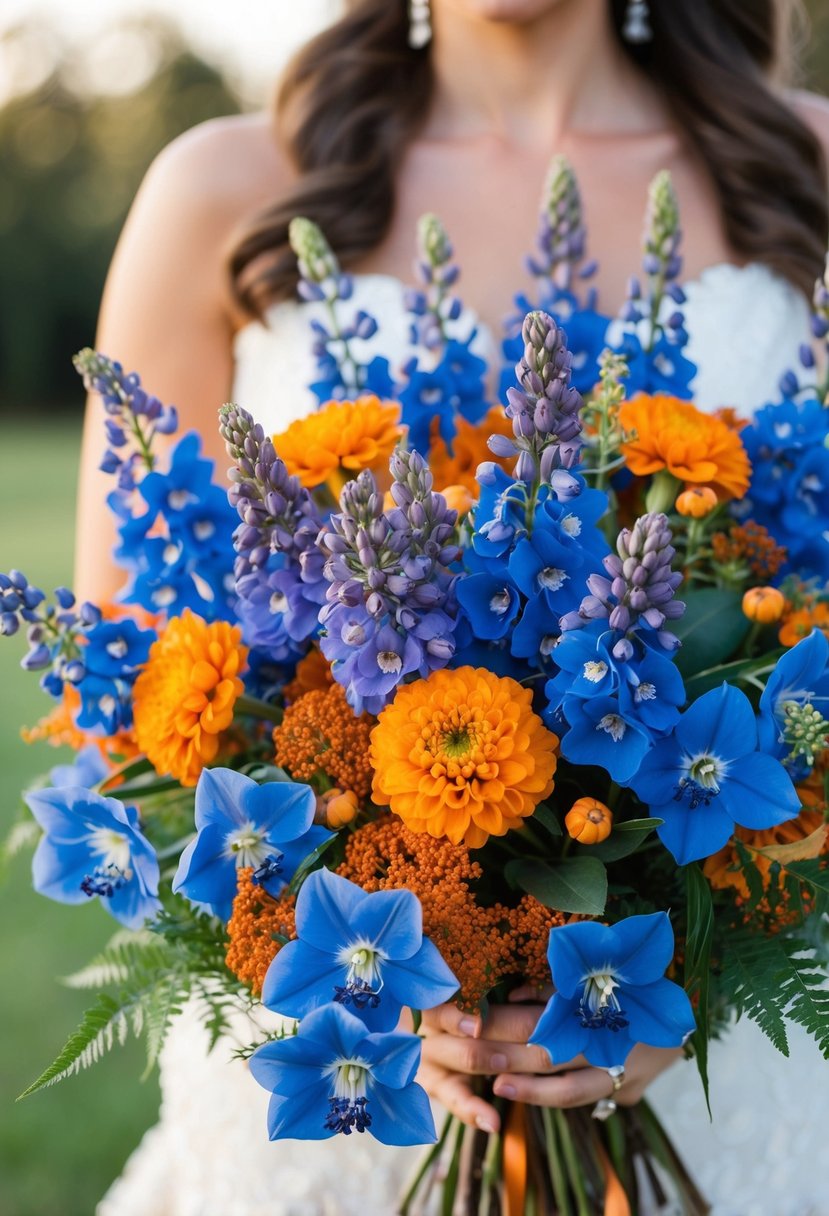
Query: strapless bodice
{"points": [[745, 324]]}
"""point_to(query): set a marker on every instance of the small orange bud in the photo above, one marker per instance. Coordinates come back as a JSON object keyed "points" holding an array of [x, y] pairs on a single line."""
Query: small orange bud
{"points": [[698, 501], [589, 821], [764, 604], [341, 806], [458, 498]]}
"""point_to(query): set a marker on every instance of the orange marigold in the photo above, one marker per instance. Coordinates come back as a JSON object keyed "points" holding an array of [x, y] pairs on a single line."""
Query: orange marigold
{"points": [[184, 697], [750, 544], [469, 449], [723, 869], [321, 735], [339, 440], [666, 433], [462, 755], [800, 623]]}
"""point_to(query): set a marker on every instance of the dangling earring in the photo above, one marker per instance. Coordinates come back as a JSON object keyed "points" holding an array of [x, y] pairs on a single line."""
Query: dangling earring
{"points": [[420, 24], [637, 27]]}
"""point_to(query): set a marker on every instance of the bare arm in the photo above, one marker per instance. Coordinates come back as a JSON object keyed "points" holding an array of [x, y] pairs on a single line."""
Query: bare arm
{"points": [[166, 311]]}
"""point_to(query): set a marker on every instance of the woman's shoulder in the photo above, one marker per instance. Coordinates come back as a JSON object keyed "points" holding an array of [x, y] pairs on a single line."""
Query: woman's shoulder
{"points": [[225, 167]]}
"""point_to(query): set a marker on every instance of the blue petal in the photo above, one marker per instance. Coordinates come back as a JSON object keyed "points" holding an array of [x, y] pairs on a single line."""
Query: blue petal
{"points": [[576, 950], [325, 910], [205, 875], [59, 870], [335, 1029], [660, 1014], [288, 1066], [659, 773], [300, 1117], [284, 808], [692, 834], [132, 904], [392, 921], [69, 814], [607, 1048], [301, 978], [395, 1058], [295, 852], [645, 947], [400, 1116], [559, 1030], [422, 981], [758, 793], [720, 723], [220, 794]]}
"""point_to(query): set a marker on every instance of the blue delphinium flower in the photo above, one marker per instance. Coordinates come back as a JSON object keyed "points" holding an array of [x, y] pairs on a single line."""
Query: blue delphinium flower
{"points": [[363, 950], [794, 707], [611, 992], [94, 846], [110, 660], [340, 371], [333, 1077], [708, 775], [88, 769], [240, 823]]}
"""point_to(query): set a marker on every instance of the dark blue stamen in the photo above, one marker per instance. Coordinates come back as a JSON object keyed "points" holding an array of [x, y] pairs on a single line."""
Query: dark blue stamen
{"points": [[358, 993], [104, 880], [697, 795], [603, 1018], [271, 867], [344, 1116]]}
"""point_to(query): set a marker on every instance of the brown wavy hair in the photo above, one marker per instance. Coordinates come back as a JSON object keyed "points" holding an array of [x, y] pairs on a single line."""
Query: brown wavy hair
{"points": [[356, 96]]}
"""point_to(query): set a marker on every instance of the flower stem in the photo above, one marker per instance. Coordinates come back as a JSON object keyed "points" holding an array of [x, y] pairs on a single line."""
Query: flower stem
{"points": [[572, 1164], [560, 1194], [423, 1168]]}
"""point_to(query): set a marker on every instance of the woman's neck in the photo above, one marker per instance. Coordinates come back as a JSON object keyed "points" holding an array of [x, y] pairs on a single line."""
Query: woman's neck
{"points": [[536, 81]]}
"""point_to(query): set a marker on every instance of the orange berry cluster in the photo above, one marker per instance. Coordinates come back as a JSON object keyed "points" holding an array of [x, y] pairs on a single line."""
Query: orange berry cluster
{"points": [[482, 945], [256, 917], [320, 735], [750, 543]]}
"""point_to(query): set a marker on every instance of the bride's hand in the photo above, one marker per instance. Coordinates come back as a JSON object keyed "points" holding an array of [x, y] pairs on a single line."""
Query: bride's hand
{"points": [[458, 1046]]}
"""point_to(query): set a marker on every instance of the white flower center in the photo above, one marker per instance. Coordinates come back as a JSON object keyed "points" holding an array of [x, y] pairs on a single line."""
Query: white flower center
{"points": [[595, 670], [499, 602], [113, 848], [705, 771], [389, 662], [552, 578], [107, 704], [247, 846], [548, 644], [645, 692], [350, 1078], [278, 603], [613, 725], [364, 962], [571, 524], [203, 529], [179, 499], [117, 648], [164, 597]]}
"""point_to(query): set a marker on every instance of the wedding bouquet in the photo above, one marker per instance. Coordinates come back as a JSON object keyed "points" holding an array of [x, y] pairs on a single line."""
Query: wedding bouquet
{"points": [[444, 700]]}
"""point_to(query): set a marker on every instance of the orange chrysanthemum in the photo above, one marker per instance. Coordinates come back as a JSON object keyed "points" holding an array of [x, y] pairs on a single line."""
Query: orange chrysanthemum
{"points": [[320, 735], [462, 755], [339, 440], [469, 449], [667, 433], [184, 697], [800, 623]]}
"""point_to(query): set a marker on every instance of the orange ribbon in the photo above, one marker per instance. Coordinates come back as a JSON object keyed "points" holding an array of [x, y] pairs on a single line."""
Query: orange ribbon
{"points": [[515, 1160], [615, 1197]]}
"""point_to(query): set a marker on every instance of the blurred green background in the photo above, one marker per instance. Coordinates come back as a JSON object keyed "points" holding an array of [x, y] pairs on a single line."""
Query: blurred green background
{"points": [[71, 159]]}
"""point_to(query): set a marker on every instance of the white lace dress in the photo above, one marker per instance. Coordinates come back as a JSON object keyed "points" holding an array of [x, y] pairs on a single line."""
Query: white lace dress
{"points": [[209, 1155]]}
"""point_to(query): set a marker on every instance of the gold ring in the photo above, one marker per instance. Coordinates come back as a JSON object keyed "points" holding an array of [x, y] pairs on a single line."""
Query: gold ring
{"points": [[617, 1076]]}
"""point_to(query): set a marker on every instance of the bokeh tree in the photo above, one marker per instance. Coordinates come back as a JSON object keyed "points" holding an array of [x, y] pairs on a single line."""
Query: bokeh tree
{"points": [[77, 134]]}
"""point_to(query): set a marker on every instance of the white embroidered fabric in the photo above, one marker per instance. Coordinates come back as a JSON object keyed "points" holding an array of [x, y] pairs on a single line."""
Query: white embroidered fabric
{"points": [[209, 1155]]}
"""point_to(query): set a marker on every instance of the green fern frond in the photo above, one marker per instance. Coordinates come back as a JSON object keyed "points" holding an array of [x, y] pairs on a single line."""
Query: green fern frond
{"points": [[101, 1027], [123, 955]]}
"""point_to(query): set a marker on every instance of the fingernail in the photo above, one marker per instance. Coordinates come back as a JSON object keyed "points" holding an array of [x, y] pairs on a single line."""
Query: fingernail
{"points": [[504, 1090], [468, 1026], [485, 1125], [498, 1062]]}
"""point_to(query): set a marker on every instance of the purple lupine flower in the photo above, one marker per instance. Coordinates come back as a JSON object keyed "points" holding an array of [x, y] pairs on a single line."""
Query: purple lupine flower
{"points": [[278, 568], [662, 266], [562, 236], [639, 588], [545, 410], [134, 416], [432, 304], [391, 605]]}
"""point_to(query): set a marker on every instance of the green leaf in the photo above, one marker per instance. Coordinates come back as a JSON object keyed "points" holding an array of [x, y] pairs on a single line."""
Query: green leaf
{"points": [[699, 911], [101, 1026], [711, 629], [813, 873], [739, 671], [308, 864], [624, 839], [544, 816], [577, 885]]}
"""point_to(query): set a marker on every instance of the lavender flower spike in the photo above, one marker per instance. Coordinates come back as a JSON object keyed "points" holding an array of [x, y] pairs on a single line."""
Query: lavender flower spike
{"points": [[562, 236], [432, 305], [640, 586]]}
